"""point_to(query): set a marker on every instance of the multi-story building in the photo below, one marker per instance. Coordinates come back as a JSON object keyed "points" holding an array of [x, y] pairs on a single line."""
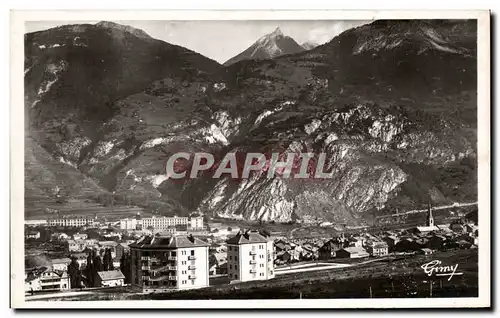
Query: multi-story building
{"points": [[71, 221], [250, 256], [196, 222], [169, 262], [162, 223], [128, 224]]}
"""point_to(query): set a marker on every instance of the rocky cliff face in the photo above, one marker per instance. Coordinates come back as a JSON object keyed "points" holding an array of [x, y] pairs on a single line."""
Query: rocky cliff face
{"points": [[393, 118]]}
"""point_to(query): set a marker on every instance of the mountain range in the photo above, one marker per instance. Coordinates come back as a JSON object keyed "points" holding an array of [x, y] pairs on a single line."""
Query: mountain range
{"points": [[391, 103]]}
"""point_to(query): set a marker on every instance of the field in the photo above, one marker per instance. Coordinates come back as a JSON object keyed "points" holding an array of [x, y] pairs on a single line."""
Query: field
{"points": [[80, 208], [393, 277]]}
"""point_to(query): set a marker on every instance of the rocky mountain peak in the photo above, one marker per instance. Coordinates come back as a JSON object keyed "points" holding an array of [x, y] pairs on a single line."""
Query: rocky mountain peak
{"points": [[269, 46], [277, 32]]}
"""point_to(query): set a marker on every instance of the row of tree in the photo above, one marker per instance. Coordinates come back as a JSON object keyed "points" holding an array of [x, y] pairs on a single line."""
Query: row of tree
{"points": [[95, 263]]}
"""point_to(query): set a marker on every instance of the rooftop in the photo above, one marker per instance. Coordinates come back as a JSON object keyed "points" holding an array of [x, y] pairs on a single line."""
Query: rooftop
{"points": [[60, 260], [355, 250], [109, 275], [427, 228], [249, 237], [167, 242]]}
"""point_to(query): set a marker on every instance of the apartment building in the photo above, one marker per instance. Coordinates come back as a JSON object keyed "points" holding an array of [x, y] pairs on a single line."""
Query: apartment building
{"points": [[169, 262], [250, 256], [71, 221]]}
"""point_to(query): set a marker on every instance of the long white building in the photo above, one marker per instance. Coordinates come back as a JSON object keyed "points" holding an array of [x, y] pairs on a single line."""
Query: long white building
{"points": [[71, 221], [250, 256], [161, 223]]}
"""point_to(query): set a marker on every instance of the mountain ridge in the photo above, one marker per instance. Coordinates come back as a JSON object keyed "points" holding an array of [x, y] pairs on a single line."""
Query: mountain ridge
{"points": [[386, 116]]}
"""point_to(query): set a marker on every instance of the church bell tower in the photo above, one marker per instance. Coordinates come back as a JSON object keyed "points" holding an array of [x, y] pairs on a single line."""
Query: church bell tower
{"points": [[430, 218]]}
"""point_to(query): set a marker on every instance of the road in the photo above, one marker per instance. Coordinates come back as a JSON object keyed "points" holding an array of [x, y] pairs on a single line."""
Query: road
{"points": [[455, 205]]}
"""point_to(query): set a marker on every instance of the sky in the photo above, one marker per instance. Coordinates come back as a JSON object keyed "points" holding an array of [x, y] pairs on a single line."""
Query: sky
{"points": [[221, 40]]}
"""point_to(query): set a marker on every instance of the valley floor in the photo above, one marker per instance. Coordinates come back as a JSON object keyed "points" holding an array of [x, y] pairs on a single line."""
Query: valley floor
{"points": [[390, 277]]}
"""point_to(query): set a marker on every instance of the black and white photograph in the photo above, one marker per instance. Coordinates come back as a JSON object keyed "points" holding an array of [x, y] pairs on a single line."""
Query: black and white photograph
{"points": [[256, 160]]}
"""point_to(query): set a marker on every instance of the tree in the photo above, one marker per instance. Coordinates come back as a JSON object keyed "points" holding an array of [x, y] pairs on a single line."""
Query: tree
{"points": [[107, 260], [74, 273], [125, 267], [89, 270], [97, 267]]}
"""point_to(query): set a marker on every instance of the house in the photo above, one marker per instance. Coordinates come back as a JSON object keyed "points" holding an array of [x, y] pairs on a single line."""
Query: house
{"points": [[444, 228], [465, 237], [422, 241], [218, 263], [121, 249], [80, 236], [464, 244], [116, 262], [283, 257], [458, 227], [355, 242], [59, 237], [81, 259], [328, 250], [426, 229], [407, 245], [352, 252], [470, 228], [78, 246], [436, 242], [282, 245], [425, 251], [218, 248], [391, 241], [32, 235], [45, 279], [60, 264], [378, 249], [110, 278], [279, 246], [308, 253]]}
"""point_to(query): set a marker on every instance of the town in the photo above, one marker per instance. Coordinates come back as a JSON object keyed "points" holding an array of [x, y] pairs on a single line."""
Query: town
{"points": [[160, 254]]}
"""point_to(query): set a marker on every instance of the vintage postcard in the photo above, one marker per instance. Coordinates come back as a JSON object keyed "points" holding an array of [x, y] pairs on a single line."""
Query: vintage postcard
{"points": [[250, 159]]}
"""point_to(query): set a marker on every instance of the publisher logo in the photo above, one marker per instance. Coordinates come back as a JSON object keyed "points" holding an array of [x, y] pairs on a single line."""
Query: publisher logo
{"points": [[435, 268]]}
